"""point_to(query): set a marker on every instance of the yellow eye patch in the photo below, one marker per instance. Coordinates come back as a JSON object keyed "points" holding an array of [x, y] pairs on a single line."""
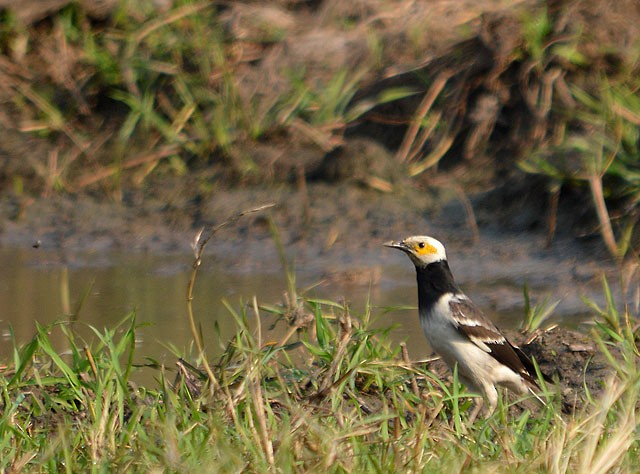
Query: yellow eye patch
{"points": [[423, 248]]}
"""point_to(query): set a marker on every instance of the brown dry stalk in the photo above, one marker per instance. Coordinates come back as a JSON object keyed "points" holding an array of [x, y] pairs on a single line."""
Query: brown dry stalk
{"points": [[424, 135], [552, 214], [170, 17], [432, 158], [258, 399], [259, 407], [344, 336], [595, 183], [107, 171], [321, 136], [55, 122], [92, 362], [625, 113], [430, 97], [407, 361], [421, 429]]}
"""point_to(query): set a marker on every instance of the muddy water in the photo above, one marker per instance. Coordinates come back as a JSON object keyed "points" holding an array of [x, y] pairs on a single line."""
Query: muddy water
{"points": [[100, 290]]}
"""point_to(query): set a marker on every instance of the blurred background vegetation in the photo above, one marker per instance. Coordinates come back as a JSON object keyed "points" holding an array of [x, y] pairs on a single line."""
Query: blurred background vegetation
{"points": [[97, 96]]}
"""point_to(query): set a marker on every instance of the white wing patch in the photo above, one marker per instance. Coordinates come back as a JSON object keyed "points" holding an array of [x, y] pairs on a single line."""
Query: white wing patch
{"points": [[472, 322]]}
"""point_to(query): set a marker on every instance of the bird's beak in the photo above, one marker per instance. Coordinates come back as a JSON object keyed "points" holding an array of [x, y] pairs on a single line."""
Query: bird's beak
{"points": [[400, 245]]}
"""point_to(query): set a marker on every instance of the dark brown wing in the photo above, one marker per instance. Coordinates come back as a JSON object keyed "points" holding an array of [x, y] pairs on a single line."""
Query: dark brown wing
{"points": [[472, 323], [528, 364]]}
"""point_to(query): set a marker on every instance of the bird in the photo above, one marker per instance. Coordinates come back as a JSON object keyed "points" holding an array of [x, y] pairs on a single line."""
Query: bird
{"points": [[460, 333]]}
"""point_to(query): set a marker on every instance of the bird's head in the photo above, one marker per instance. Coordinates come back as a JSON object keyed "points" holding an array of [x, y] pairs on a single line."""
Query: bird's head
{"points": [[422, 250]]}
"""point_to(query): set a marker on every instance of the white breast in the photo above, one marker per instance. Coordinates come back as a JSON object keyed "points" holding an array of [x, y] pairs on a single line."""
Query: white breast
{"points": [[475, 366]]}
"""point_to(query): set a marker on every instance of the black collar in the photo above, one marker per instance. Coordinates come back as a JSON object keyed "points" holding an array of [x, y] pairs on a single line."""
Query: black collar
{"points": [[434, 280]]}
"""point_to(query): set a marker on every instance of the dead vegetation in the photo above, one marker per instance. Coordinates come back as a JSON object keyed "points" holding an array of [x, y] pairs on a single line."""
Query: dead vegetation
{"points": [[465, 95]]}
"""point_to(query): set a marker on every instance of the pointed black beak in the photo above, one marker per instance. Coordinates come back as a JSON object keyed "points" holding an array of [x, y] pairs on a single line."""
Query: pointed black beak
{"points": [[400, 245]]}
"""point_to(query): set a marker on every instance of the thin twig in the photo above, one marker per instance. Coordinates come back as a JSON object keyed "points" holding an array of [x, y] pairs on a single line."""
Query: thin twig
{"points": [[198, 246], [407, 361]]}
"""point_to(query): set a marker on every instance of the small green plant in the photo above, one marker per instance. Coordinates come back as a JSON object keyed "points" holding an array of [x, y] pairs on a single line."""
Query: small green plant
{"points": [[536, 315]]}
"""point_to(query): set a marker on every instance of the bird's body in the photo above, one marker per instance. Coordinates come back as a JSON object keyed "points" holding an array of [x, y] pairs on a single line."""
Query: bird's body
{"points": [[458, 330]]}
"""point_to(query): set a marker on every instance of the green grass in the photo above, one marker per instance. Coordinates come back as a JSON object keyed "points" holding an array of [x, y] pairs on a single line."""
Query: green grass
{"points": [[338, 398], [535, 315]]}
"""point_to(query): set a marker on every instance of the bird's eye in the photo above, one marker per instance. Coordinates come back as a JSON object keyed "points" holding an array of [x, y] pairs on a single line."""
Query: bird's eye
{"points": [[421, 245]]}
